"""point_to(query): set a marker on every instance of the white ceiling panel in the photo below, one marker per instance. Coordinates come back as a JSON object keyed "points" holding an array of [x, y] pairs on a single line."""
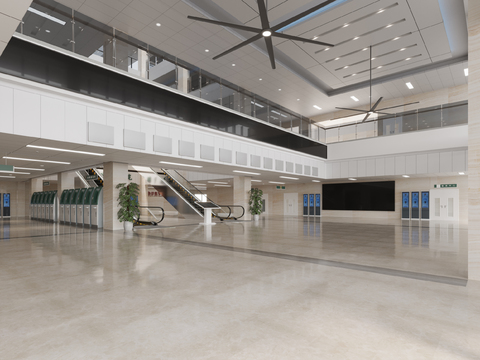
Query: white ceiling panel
{"points": [[426, 12]]}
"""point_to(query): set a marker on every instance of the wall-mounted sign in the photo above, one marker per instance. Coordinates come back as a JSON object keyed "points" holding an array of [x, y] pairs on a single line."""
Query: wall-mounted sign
{"points": [[425, 199], [6, 168], [445, 185], [46, 183], [92, 177], [415, 196], [280, 187], [405, 202]]}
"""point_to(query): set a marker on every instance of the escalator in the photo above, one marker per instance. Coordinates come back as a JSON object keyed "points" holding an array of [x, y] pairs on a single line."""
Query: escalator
{"points": [[91, 177], [184, 196]]}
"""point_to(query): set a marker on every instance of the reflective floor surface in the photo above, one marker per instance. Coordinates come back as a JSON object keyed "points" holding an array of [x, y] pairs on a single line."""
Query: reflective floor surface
{"points": [[276, 289]]}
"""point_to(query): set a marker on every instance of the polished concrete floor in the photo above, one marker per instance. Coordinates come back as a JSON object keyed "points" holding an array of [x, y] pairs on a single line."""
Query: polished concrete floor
{"points": [[279, 288]]}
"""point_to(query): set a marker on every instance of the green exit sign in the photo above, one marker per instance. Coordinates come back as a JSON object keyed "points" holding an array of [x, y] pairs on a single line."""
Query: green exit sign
{"points": [[446, 186], [6, 168], [280, 187]]}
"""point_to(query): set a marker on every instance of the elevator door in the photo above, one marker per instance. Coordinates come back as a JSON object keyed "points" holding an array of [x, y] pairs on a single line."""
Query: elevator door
{"points": [[444, 204]]}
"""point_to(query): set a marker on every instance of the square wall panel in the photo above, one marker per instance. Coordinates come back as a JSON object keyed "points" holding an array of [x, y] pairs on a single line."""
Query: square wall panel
{"points": [[255, 160], [279, 165], [186, 148], [225, 155], [162, 144], [268, 163], [241, 158], [207, 152]]}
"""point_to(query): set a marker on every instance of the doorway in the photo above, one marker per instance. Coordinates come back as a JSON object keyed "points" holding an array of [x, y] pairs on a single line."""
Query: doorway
{"points": [[290, 201], [444, 204]]}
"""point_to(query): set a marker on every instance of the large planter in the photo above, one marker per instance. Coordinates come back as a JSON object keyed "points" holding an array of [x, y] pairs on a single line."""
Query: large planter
{"points": [[128, 226], [256, 217]]}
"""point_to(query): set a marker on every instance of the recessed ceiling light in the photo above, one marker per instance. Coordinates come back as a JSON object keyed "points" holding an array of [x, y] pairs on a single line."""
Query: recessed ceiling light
{"points": [[345, 25], [316, 181], [405, 176], [409, 85], [356, 38], [64, 150], [298, 99], [364, 49], [403, 49], [326, 49], [354, 74], [317, 107], [37, 160], [407, 59], [158, 24], [337, 58], [8, 177], [22, 168], [380, 11], [379, 67], [279, 89], [260, 79], [223, 185], [345, 67], [256, 180], [195, 184], [267, 33], [389, 26], [218, 182], [373, 58], [206, 50], [287, 177], [172, 163], [315, 38], [46, 16], [396, 38], [354, 98], [465, 71], [461, 173], [233, 64], [352, 179], [47, 31], [245, 172], [276, 182]]}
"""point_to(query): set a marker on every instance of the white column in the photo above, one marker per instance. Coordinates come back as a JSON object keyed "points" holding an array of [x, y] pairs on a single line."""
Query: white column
{"points": [[183, 76], [241, 187], [474, 140], [113, 174], [66, 181]]}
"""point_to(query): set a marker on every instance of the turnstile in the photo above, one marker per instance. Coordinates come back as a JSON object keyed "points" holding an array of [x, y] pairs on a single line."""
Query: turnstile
{"points": [[52, 206], [96, 208], [80, 203], [68, 200], [61, 207], [87, 221], [73, 207], [33, 206], [41, 206]]}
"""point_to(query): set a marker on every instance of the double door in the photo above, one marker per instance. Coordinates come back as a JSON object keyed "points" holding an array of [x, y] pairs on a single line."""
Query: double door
{"points": [[444, 204]]}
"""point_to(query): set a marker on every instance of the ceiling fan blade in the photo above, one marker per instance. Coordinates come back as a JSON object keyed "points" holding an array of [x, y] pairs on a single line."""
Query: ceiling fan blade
{"points": [[271, 55], [297, 38], [366, 117], [242, 44], [221, 23], [376, 104], [357, 110], [393, 107], [263, 14], [302, 15]]}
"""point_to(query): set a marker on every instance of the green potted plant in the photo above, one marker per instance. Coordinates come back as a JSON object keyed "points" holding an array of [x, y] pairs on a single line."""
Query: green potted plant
{"points": [[255, 202], [128, 201]]}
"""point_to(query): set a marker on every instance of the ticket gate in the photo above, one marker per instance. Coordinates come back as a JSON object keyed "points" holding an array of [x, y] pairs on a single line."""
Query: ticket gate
{"points": [[41, 206], [33, 201], [68, 200], [61, 207], [80, 201], [52, 206], [96, 208], [73, 207], [87, 221], [36, 200]]}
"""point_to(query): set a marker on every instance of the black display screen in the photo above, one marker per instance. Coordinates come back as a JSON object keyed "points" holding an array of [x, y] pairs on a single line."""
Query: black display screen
{"points": [[367, 196]]}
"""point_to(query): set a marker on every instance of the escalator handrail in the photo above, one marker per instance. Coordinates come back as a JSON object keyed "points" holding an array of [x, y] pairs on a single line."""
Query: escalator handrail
{"points": [[152, 207], [230, 207]]}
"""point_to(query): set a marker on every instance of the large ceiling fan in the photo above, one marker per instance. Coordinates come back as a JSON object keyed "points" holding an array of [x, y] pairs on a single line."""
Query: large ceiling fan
{"points": [[373, 109], [266, 31]]}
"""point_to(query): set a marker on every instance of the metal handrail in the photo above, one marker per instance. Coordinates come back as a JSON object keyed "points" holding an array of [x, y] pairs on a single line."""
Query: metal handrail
{"points": [[230, 212], [139, 222]]}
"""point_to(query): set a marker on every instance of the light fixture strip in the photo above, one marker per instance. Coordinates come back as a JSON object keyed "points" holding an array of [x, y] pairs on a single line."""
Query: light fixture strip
{"points": [[276, 182], [409, 85], [64, 150], [37, 160], [33, 169], [46, 16], [14, 172], [245, 172], [178, 164], [392, 63], [217, 182], [7, 177], [287, 177]]}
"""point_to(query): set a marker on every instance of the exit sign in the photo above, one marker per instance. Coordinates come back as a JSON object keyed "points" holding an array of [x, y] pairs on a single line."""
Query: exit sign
{"points": [[280, 187], [6, 168], [446, 186]]}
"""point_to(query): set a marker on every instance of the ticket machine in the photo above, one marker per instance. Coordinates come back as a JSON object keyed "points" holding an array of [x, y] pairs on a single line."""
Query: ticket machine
{"points": [[68, 200], [41, 205], [73, 207], [35, 205], [86, 207], [32, 205], [52, 206], [61, 207], [96, 208], [80, 203], [6, 206]]}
